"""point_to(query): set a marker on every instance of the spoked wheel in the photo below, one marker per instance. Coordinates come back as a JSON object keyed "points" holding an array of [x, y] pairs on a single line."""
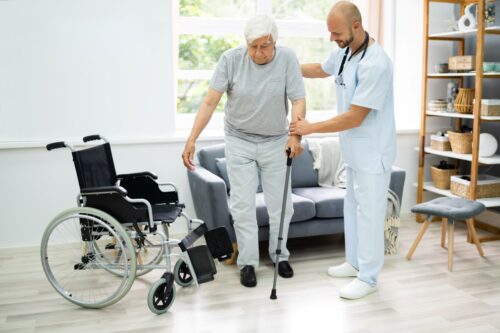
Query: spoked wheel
{"points": [[160, 296], [182, 274], [149, 251], [73, 267]]}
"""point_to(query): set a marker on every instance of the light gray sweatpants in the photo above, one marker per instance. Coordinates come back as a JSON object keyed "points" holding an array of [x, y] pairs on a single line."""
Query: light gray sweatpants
{"points": [[244, 160]]}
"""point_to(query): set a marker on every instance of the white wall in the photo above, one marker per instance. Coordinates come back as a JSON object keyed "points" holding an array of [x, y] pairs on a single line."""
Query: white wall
{"points": [[408, 55], [72, 68], [69, 68]]}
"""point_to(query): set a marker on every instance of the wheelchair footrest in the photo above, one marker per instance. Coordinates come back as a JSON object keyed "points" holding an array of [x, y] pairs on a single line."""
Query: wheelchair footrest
{"points": [[202, 262], [219, 243]]}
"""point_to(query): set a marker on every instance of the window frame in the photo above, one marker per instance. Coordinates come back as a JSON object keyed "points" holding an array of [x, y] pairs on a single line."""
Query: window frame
{"points": [[219, 26]]}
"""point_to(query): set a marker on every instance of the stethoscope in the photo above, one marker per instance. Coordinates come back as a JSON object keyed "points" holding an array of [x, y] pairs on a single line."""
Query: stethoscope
{"points": [[339, 78]]}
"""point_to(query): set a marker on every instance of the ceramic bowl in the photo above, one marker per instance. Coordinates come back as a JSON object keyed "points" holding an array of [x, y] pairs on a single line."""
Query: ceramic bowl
{"points": [[489, 66], [441, 68]]}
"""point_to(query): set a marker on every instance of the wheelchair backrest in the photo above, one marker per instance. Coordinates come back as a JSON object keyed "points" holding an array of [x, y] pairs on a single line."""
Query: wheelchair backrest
{"points": [[95, 167]]}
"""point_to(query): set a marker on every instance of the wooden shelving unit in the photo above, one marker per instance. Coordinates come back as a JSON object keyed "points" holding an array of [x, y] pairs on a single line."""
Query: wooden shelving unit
{"points": [[459, 37]]}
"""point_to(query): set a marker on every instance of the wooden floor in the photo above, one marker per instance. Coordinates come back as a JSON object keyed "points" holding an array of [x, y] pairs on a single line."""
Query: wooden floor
{"points": [[414, 296]]}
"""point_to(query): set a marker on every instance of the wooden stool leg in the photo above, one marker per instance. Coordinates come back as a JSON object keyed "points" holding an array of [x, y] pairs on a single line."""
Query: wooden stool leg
{"points": [[444, 223], [473, 234], [232, 260], [427, 222], [451, 233]]}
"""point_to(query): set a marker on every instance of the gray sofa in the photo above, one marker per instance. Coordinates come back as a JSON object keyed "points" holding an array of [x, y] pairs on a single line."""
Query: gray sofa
{"points": [[317, 210]]}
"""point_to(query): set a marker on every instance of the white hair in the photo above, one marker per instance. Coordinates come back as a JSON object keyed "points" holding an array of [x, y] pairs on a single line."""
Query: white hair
{"points": [[260, 26]]}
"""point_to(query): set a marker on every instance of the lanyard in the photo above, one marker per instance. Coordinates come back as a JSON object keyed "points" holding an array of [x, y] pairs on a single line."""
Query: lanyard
{"points": [[363, 46]]}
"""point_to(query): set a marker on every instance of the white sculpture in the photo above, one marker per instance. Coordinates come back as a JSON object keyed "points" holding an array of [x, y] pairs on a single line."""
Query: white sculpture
{"points": [[487, 145], [468, 21]]}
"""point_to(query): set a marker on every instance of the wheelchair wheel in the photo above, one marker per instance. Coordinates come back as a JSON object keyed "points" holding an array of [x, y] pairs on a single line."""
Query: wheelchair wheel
{"points": [[160, 299], [73, 266], [149, 251], [182, 274]]}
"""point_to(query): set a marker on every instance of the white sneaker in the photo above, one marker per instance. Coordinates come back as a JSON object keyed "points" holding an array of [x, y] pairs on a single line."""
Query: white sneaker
{"points": [[344, 270], [357, 289]]}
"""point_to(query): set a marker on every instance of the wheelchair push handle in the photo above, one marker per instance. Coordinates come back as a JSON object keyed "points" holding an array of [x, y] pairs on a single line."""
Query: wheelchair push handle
{"points": [[92, 138], [56, 145]]}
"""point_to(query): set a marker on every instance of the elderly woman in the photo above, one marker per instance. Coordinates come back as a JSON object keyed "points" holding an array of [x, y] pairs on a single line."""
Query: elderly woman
{"points": [[258, 79]]}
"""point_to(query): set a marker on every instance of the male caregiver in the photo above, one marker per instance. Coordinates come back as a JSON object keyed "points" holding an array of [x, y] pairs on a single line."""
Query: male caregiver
{"points": [[365, 122]]}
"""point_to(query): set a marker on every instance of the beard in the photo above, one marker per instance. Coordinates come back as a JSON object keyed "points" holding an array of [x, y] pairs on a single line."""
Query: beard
{"points": [[345, 43]]}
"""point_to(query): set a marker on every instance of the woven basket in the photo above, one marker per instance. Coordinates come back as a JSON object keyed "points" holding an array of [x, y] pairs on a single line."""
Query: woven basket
{"points": [[440, 143], [460, 142], [463, 103], [487, 186], [441, 177], [490, 109]]}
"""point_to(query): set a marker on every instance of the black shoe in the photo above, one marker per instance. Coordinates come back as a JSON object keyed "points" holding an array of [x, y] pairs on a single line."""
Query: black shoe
{"points": [[284, 269], [247, 276]]}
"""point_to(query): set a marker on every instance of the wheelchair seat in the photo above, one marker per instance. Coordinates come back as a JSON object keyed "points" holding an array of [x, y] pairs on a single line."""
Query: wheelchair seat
{"points": [[165, 213]]}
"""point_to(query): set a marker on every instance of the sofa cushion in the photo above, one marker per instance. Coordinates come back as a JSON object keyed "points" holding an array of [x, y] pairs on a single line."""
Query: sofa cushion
{"points": [[329, 201], [222, 172], [303, 209], [303, 173]]}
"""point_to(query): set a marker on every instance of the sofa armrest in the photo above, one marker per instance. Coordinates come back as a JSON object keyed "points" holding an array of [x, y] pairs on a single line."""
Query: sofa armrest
{"points": [[398, 181], [210, 199]]}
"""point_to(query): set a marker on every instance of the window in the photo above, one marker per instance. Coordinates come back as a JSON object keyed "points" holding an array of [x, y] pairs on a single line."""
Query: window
{"points": [[206, 28]]}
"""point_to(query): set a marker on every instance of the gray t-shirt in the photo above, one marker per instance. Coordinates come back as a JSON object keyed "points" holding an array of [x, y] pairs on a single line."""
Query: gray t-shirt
{"points": [[257, 107]]}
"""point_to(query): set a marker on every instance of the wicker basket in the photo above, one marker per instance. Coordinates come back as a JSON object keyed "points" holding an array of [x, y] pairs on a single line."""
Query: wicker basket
{"points": [[441, 143], [463, 103], [487, 186], [490, 107], [460, 142], [441, 177]]}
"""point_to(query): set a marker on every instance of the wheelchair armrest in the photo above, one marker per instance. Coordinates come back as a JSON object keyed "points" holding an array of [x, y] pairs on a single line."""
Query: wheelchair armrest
{"points": [[147, 188], [137, 174], [104, 189]]}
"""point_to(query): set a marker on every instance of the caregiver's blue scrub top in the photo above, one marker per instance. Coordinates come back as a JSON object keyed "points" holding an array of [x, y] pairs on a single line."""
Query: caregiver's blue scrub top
{"points": [[371, 147]]}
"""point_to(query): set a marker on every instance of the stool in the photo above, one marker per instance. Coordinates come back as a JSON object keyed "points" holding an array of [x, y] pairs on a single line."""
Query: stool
{"points": [[449, 209]]}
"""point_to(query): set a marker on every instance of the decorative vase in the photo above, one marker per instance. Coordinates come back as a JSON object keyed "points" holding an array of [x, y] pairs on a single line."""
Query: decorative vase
{"points": [[451, 95], [468, 20], [490, 14], [463, 103]]}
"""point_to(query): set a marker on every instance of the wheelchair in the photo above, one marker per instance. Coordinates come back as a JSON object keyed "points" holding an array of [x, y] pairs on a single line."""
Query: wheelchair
{"points": [[119, 229]]}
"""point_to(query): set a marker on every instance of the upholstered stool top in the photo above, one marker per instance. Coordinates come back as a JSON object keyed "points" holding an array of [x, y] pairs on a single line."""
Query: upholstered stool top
{"points": [[452, 208]]}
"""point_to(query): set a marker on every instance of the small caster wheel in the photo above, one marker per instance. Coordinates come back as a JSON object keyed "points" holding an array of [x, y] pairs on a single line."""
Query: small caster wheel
{"points": [[182, 274], [159, 298]]}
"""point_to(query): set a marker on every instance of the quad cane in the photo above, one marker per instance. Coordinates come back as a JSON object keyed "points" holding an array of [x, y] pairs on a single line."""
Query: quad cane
{"points": [[280, 234]]}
